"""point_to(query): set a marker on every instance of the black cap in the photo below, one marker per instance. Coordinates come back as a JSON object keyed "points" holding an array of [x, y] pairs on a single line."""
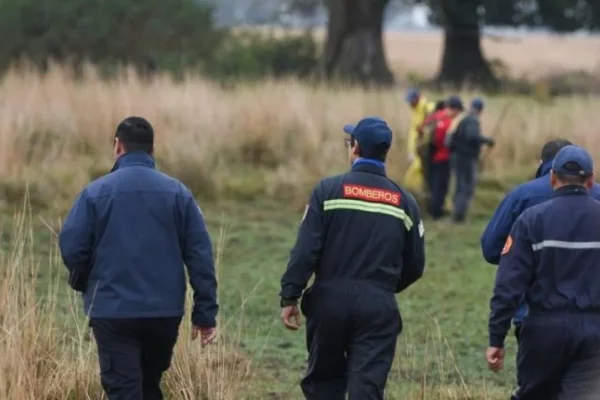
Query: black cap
{"points": [[455, 102]]}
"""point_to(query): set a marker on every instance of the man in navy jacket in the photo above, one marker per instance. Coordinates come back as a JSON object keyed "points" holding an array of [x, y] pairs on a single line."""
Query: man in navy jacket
{"points": [[551, 256], [125, 243], [363, 239], [518, 200]]}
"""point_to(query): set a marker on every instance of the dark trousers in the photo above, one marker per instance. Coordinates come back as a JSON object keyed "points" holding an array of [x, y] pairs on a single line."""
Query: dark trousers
{"points": [[134, 354], [518, 333], [352, 330], [559, 358], [465, 170], [439, 181]]}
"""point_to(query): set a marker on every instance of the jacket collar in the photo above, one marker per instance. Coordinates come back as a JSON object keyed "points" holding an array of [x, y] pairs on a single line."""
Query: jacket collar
{"points": [[571, 190], [134, 158], [544, 169], [369, 165]]}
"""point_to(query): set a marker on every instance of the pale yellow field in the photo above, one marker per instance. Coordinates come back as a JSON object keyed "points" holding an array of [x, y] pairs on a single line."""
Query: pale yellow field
{"points": [[526, 56]]}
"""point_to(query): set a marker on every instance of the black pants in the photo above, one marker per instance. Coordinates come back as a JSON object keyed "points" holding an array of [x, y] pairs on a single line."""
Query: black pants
{"points": [[352, 330], [133, 354], [518, 333], [439, 181], [559, 358], [465, 170]]}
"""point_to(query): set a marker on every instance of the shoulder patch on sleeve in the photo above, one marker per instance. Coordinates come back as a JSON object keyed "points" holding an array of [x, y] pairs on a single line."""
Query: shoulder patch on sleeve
{"points": [[507, 245], [421, 229]]}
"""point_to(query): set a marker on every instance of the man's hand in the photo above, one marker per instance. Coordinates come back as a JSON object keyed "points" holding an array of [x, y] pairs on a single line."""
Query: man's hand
{"points": [[495, 358], [207, 334], [491, 142], [290, 316]]}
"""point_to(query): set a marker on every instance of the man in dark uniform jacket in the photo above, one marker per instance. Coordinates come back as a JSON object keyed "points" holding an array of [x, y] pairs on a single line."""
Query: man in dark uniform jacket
{"points": [[362, 237], [552, 257]]}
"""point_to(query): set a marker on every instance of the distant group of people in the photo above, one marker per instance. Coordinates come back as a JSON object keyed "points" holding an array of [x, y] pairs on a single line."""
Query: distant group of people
{"points": [[444, 138]]}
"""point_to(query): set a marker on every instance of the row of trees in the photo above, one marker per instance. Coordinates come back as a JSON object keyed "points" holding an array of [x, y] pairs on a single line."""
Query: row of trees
{"points": [[354, 47], [166, 35], [178, 34]]}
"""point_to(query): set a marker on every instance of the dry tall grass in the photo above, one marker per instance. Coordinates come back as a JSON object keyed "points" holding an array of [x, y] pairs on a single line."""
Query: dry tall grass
{"points": [[268, 138], [49, 355]]}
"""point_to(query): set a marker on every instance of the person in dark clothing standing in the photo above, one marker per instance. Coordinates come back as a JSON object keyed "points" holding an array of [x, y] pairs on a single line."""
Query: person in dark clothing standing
{"points": [[362, 237], [125, 243], [551, 257], [465, 140], [516, 201], [438, 155]]}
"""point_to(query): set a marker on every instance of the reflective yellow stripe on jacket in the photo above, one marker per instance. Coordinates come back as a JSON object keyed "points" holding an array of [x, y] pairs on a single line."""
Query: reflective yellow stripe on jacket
{"points": [[359, 205]]}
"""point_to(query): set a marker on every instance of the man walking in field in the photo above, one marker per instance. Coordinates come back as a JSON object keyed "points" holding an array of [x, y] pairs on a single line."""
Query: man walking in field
{"points": [[465, 140], [551, 257], [125, 243], [363, 238], [516, 201], [433, 149]]}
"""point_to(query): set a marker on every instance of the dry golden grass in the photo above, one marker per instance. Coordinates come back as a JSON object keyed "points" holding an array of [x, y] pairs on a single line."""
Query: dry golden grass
{"points": [[268, 138], [47, 355]]}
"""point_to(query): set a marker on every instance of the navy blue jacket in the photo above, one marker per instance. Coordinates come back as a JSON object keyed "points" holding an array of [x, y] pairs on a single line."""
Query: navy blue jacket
{"points": [[358, 226], [516, 201], [466, 140], [126, 240], [552, 257]]}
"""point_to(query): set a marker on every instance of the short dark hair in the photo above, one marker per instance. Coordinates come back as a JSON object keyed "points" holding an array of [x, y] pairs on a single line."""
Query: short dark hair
{"points": [[440, 105], [551, 149], [136, 134], [572, 179], [378, 153]]}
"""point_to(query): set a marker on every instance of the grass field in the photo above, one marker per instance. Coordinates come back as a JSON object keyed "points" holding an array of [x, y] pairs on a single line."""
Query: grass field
{"points": [[251, 154], [440, 355]]}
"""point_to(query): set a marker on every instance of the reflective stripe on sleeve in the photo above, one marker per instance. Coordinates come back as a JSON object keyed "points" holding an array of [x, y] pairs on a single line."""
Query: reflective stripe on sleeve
{"points": [[565, 245], [358, 205]]}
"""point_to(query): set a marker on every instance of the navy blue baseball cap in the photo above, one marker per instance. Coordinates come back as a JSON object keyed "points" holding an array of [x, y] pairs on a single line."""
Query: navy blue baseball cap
{"points": [[477, 104], [371, 133], [573, 160], [412, 95], [455, 102]]}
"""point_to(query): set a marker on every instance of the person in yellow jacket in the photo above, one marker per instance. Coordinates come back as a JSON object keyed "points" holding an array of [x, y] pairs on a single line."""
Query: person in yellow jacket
{"points": [[414, 179]]}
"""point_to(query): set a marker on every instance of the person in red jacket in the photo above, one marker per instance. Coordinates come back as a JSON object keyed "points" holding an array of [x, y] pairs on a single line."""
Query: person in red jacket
{"points": [[435, 128]]}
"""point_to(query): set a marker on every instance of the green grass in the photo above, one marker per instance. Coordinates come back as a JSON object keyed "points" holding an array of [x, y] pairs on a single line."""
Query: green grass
{"points": [[440, 351]]}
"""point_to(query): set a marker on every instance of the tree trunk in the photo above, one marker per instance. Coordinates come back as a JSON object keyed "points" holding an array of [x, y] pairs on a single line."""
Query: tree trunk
{"points": [[462, 61], [354, 47]]}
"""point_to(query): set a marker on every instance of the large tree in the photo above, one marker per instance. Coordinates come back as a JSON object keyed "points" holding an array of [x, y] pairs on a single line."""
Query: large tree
{"points": [[354, 45], [463, 60]]}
